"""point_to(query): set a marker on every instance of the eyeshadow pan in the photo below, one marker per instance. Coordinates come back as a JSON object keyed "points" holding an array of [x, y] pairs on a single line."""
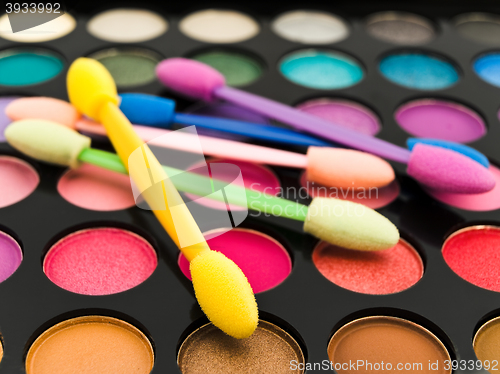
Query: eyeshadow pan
{"points": [[310, 27], [11, 256], [321, 69], [487, 344], [219, 26], [375, 273], [487, 67], [400, 28], [129, 67], [264, 260], [23, 67], [127, 25], [419, 71], [472, 253], [479, 27], [239, 69], [19, 180], [100, 261], [91, 345], [439, 119], [345, 113], [385, 340], [4, 119], [55, 29], [269, 349], [474, 202], [95, 188]]}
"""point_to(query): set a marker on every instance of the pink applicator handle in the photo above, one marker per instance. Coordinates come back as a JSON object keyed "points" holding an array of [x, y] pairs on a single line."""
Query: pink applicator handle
{"points": [[312, 124], [221, 148]]}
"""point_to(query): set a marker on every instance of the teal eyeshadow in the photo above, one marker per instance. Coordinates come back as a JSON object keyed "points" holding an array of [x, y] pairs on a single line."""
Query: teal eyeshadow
{"points": [[488, 68], [419, 71], [19, 68], [321, 70]]}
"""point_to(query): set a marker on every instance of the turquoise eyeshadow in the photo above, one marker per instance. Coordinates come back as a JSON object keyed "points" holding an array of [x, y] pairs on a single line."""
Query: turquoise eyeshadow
{"points": [[321, 70], [419, 71], [488, 68], [19, 68]]}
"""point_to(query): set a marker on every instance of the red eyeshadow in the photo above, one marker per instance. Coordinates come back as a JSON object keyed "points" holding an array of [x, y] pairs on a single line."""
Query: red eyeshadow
{"points": [[100, 261], [375, 273], [473, 254]]}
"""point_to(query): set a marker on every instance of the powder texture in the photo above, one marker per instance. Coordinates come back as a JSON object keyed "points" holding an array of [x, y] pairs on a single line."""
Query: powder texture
{"points": [[473, 255], [237, 68], [344, 113], [488, 68], [376, 273], [481, 28], [19, 180], [22, 67], [487, 342], [440, 120], [321, 69], [91, 345], [94, 188], [402, 31], [419, 71], [11, 256], [262, 259], [269, 350], [100, 261], [389, 340], [130, 69]]}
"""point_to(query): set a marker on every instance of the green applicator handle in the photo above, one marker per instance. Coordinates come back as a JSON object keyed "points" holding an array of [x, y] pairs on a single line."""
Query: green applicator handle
{"points": [[197, 185]]}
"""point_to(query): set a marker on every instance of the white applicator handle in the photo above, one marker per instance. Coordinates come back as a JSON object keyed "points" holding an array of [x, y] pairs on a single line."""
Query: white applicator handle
{"points": [[214, 147]]}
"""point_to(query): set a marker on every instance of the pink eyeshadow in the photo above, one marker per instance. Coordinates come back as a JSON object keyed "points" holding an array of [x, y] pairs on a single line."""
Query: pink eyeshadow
{"points": [[264, 261], [19, 180], [94, 188], [475, 202], [441, 120], [256, 177], [344, 113], [375, 273], [11, 256], [100, 261], [372, 198]]}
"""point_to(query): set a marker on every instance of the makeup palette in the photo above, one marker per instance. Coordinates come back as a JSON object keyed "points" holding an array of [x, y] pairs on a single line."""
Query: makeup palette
{"points": [[90, 283]]}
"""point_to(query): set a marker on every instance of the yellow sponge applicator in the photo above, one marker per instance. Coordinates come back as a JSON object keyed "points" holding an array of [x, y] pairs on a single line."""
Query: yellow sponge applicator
{"points": [[223, 294]]}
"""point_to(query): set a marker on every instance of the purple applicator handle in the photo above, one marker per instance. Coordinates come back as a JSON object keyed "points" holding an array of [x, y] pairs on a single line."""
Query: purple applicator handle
{"points": [[313, 124], [436, 167]]}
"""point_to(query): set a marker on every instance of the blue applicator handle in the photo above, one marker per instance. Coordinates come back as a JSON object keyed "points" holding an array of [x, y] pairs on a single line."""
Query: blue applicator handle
{"points": [[457, 147], [160, 112]]}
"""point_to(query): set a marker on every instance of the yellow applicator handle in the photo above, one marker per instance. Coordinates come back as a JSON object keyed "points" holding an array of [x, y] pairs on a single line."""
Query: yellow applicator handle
{"points": [[221, 288]]}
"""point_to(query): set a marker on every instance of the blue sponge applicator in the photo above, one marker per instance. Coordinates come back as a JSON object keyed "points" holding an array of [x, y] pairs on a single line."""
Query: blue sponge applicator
{"points": [[457, 147], [147, 109]]}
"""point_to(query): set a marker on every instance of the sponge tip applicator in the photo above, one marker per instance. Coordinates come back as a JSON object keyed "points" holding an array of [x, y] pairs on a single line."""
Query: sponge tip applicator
{"points": [[224, 294], [346, 168], [350, 225], [189, 77], [147, 109], [47, 141], [448, 171]]}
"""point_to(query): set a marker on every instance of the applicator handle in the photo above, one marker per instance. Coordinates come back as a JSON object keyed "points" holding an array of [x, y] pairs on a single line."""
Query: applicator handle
{"points": [[196, 184], [252, 130], [312, 124]]}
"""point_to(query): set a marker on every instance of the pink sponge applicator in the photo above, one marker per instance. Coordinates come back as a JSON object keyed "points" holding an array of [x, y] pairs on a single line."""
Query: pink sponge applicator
{"points": [[197, 80], [454, 172]]}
